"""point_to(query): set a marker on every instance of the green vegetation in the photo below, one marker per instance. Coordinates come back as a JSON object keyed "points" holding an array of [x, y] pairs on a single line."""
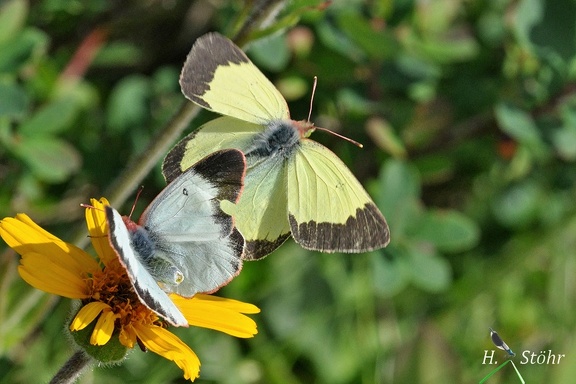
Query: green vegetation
{"points": [[467, 113]]}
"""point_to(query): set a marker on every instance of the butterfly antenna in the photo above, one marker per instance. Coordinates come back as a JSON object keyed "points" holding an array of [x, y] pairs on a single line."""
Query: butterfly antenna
{"points": [[312, 97], [324, 129], [359, 145], [136, 200]]}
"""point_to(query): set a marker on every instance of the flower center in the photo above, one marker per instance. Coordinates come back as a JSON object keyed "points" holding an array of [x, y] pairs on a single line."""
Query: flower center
{"points": [[113, 287]]}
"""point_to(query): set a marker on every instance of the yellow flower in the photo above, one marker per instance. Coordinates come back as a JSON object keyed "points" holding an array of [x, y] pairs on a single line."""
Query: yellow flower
{"points": [[107, 295]]}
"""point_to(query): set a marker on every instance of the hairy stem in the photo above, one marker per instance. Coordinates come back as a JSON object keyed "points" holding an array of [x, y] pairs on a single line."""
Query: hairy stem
{"points": [[72, 369]]}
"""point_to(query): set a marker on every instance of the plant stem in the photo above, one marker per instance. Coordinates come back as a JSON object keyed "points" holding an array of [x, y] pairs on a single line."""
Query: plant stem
{"points": [[72, 369]]}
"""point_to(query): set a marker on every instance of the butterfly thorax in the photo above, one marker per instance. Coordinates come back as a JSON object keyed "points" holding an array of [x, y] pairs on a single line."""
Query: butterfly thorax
{"points": [[280, 138]]}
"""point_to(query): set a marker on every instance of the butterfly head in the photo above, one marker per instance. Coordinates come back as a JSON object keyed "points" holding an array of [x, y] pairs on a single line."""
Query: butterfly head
{"points": [[304, 128]]}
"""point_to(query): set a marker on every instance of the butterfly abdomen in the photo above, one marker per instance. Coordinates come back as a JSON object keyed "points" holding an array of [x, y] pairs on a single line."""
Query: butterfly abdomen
{"points": [[279, 139]]}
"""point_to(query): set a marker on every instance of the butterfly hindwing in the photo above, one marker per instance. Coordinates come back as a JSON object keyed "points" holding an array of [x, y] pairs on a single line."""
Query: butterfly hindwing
{"points": [[145, 286], [328, 209], [219, 76], [261, 214], [221, 133]]}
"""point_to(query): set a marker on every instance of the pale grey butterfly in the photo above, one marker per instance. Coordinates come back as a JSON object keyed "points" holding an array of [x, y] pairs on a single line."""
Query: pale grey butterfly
{"points": [[184, 243]]}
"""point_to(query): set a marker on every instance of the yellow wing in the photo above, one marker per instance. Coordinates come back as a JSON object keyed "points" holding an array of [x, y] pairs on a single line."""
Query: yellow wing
{"points": [[261, 213], [218, 76], [220, 133], [328, 208]]}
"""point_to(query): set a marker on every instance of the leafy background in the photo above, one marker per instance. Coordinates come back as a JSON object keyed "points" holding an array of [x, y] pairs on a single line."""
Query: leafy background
{"points": [[466, 110]]}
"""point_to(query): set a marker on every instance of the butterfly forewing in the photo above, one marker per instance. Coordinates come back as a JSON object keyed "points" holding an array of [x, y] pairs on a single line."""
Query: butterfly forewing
{"points": [[218, 76], [144, 285], [330, 211]]}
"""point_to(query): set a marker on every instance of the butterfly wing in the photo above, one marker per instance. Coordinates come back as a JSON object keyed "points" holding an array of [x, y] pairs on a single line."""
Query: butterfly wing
{"points": [[191, 231], [144, 284], [218, 76], [217, 134], [261, 212], [328, 209]]}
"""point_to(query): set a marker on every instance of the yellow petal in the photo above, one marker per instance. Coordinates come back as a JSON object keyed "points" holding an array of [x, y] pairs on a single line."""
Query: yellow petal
{"points": [[220, 314], [25, 236], [104, 328], [87, 314], [128, 336], [231, 304], [167, 345], [98, 229], [43, 273]]}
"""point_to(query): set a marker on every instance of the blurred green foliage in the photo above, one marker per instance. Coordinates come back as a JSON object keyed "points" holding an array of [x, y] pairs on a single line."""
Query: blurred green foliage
{"points": [[467, 113]]}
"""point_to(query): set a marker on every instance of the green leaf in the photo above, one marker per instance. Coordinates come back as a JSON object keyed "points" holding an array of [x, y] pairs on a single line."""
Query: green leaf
{"points": [[434, 18], [390, 274], [12, 17], [17, 51], [564, 138], [528, 14], [385, 137], [518, 206], [517, 124], [397, 195], [336, 40], [13, 100], [293, 87], [429, 271], [55, 117], [271, 53], [449, 50], [128, 103], [50, 159], [449, 231], [377, 44], [118, 53], [350, 102]]}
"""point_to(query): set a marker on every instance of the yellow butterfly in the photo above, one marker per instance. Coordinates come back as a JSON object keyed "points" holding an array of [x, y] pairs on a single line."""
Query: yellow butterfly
{"points": [[293, 184]]}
